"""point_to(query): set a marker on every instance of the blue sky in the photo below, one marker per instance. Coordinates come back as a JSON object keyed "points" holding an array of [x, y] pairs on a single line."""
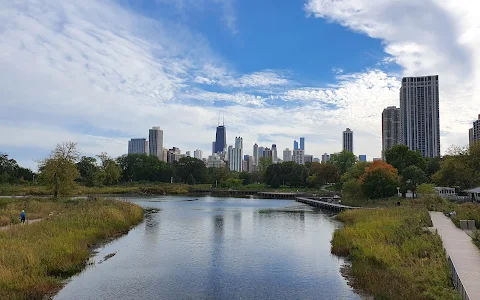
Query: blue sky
{"points": [[101, 72]]}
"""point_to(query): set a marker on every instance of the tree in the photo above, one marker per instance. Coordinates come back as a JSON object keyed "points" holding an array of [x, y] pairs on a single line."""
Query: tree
{"points": [[191, 180], [87, 166], [187, 166], [8, 169], [58, 171], [352, 188], [343, 161], [380, 180], [356, 171], [110, 171], [264, 163], [142, 167], [245, 177], [325, 173], [275, 183], [426, 189], [433, 166], [401, 157], [412, 176]]}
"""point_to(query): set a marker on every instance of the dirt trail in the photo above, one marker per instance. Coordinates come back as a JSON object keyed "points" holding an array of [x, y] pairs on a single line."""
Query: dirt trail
{"points": [[2, 228]]}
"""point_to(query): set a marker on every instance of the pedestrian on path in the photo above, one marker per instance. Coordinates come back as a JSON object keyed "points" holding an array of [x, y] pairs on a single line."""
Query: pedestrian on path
{"points": [[23, 216]]}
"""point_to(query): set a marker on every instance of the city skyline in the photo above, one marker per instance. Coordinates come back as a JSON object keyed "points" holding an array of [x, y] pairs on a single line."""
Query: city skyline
{"points": [[117, 69]]}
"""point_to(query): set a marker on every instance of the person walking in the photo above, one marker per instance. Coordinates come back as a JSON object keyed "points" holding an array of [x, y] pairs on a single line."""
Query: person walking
{"points": [[23, 216]]}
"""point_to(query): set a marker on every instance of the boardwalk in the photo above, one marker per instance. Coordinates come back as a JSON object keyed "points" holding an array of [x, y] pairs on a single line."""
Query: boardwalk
{"points": [[324, 204], [464, 256]]}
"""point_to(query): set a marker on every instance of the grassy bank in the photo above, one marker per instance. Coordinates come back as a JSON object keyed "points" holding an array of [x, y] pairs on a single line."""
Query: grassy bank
{"points": [[135, 188], [392, 256], [35, 258]]}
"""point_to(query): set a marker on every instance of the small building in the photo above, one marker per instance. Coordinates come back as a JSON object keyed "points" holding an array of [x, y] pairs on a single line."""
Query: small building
{"points": [[473, 194], [445, 191]]}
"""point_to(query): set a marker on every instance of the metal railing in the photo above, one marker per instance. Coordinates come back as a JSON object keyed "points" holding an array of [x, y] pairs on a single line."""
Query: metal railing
{"points": [[457, 282]]}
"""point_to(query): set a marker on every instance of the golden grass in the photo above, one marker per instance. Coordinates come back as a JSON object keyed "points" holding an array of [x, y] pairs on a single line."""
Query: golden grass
{"points": [[392, 256], [35, 258]]}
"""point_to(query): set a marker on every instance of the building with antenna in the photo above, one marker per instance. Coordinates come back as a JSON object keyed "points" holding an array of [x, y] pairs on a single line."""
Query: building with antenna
{"points": [[221, 138]]}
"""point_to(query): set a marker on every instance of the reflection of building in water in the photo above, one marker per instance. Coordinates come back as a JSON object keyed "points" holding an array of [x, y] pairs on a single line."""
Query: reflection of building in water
{"points": [[237, 223], [218, 223]]}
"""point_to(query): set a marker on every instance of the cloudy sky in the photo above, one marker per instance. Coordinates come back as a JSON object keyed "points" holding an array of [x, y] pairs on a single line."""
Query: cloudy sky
{"points": [[102, 72]]}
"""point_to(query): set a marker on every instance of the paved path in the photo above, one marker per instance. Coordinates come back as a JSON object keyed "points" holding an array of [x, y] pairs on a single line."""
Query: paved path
{"points": [[2, 228], [464, 255]]}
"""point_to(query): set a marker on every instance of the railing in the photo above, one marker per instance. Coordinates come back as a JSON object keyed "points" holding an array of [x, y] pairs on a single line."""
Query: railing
{"points": [[457, 282]]}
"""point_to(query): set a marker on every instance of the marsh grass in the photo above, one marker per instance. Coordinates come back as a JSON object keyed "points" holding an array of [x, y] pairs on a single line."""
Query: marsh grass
{"points": [[35, 258], [392, 256]]}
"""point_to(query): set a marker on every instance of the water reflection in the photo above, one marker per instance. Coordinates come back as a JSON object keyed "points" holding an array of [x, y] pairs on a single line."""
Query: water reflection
{"points": [[219, 248]]}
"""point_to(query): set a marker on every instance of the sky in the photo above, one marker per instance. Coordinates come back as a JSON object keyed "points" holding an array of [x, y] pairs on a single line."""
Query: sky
{"points": [[99, 72]]}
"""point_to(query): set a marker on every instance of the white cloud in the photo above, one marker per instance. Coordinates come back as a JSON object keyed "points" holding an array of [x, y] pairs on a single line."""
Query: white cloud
{"points": [[424, 37]]}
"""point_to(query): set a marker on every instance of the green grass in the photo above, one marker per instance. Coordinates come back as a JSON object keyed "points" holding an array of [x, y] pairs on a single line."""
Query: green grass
{"points": [[392, 256], [35, 258]]}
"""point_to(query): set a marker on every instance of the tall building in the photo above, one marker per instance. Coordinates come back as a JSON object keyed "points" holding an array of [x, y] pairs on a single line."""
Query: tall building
{"points": [[295, 145], [155, 142], [316, 160], [267, 153], [255, 154], [391, 128], [235, 155], [198, 154], [325, 157], [248, 163], [419, 105], [213, 147], [362, 157], [221, 139], [348, 140], [299, 156], [174, 154], [188, 154], [274, 153], [138, 146], [308, 158], [215, 161], [287, 155], [474, 132], [260, 153], [302, 143]]}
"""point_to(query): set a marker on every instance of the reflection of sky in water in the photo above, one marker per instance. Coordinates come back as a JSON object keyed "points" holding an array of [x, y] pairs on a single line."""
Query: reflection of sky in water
{"points": [[219, 248]]}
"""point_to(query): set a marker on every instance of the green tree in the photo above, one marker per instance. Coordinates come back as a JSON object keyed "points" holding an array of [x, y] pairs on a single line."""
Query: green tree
{"points": [[352, 188], [325, 173], [380, 180], [110, 171], [356, 171], [264, 163], [343, 161], [275, 182], [58, 171], [401, 157], [87, 166], [288, 173], [426, 189], [433, 166], [245, 177], [412, 176], [187, 166], [191, 180], [8, 169], [141, 167]]}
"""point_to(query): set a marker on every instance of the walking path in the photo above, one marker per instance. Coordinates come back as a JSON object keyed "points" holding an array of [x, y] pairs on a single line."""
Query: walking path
{"points": [[2, 228], [464, 256]]}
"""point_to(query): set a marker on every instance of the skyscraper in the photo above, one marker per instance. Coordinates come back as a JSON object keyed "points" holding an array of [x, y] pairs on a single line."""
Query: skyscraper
{"points": [[474, 132], [295, 145], [267, 153], [348, 140], [302, 143], [308, 158], [213, 148], [260, 153], [419, 106], [221, 139], [197, 154], [138, 146], [255, 154], [274, 153], [298, 156], [287, 155], [188, 154], [235, 155], [391, 128], [155, 142]]}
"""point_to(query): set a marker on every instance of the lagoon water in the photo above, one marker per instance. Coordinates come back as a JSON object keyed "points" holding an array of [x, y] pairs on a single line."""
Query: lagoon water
{"points": [[218, 248]]}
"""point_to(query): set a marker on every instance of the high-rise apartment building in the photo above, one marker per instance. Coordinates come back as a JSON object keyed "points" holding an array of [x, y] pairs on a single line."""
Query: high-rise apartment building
{"points": [[235, 155], [213, 147], [295, 145], [287, 155], [188, 154], [274, 153], [474, 132], [221, 139], [325, 157], [299, 156], [138, 146], [255, 154], [316, 160], [391, 128], [215, 161], [260, 153], [302, 143], [348, 140], [267, 153], [308, 158], [419, 106], [155, 142], [362, 157], [198, 154]]}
